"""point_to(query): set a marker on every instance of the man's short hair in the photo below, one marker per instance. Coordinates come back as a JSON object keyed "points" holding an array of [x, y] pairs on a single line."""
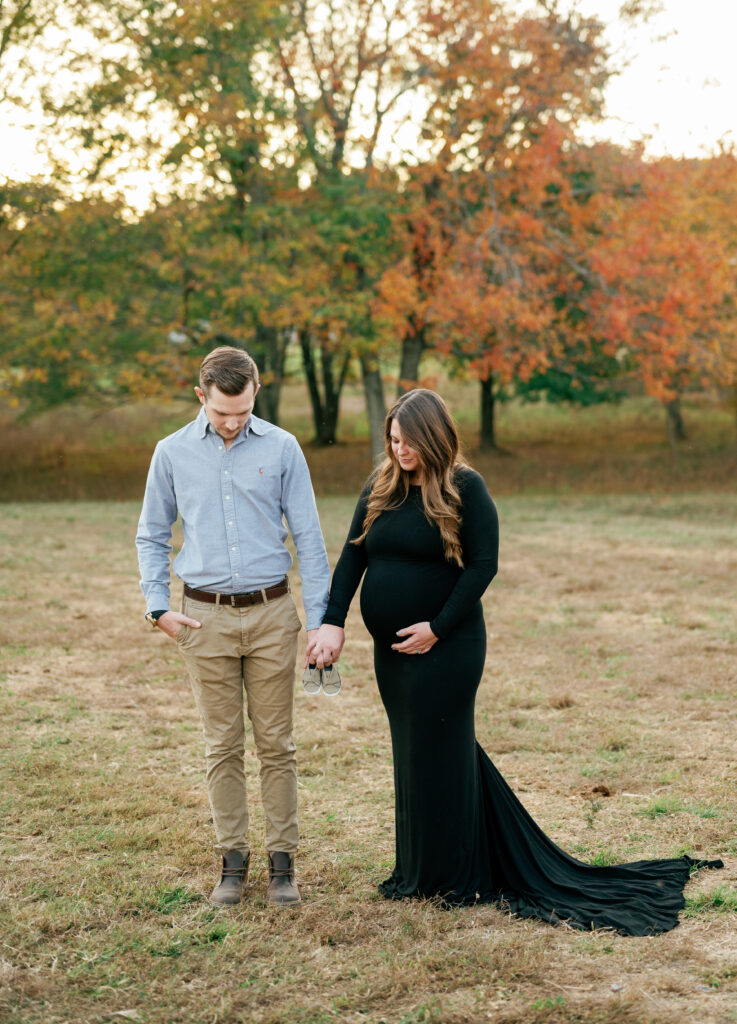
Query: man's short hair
{"points": [[230, 369]]}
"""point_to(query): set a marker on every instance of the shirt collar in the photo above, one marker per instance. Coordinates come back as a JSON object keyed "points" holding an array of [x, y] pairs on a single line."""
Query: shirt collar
{"points": [[202, 422], [253, 423]]}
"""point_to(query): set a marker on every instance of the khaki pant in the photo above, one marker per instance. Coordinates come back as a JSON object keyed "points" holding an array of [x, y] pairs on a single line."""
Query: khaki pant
{"points": [[255, 649]]}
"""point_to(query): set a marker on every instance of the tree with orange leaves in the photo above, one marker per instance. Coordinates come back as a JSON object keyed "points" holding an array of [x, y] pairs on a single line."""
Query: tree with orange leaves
{"points": [[660, 247], [487, 252]]}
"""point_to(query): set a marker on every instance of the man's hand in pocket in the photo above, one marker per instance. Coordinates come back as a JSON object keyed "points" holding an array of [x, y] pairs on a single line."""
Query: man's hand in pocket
{"points": [[171, 622]]}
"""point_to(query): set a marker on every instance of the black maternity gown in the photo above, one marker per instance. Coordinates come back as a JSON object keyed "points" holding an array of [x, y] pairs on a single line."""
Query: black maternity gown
{"points": [[461, 834]]}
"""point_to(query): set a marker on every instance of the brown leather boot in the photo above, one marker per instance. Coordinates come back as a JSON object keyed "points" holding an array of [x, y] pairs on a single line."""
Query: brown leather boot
{"points": [[282, 888], [232, 884]]}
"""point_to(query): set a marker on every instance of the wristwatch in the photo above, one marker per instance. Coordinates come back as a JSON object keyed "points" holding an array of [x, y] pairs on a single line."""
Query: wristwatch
{"points": [[153, 617]]}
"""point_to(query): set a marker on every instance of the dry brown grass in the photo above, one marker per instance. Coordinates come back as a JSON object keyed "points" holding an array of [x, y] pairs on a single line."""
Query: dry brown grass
{"points": [[84, 454], [612, 669]]}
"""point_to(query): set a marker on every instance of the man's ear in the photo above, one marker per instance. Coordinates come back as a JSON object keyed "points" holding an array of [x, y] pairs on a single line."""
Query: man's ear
{"points": [[200, 394], [256, 390]]}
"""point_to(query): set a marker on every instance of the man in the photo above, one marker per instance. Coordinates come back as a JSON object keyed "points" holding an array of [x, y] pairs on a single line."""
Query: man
{"points": [[234, 478]]}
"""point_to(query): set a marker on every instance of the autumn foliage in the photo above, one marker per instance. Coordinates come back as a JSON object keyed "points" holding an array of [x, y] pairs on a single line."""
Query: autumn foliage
{"points": [[362, 186]]}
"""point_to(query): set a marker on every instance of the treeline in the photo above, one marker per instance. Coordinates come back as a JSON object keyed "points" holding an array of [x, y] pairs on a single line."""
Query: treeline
{"points": [[364, 182]]}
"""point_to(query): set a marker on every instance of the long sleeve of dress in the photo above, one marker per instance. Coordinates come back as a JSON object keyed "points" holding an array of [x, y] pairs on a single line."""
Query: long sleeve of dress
{"points": [[350, 568], [480, 543]]}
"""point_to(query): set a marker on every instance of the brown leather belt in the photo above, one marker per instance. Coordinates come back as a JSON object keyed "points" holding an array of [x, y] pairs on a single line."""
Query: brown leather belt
{"points": [[239, 600]]}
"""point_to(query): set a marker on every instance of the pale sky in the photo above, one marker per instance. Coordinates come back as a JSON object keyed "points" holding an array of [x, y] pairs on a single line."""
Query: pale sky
{"points": [[678, 91]]}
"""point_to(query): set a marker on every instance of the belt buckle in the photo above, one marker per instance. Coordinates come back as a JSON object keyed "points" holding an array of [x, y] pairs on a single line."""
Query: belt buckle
{"points": [[232, 601]]}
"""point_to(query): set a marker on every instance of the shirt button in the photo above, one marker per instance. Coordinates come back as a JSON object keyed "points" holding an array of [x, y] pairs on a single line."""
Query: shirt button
{"points": [[232, 549], [226, 472], [227, 497], [236, 574], [230, 523]]}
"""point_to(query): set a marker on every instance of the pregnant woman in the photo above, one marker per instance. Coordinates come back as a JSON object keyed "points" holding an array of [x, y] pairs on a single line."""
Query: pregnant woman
{"points": [[425, 532]]}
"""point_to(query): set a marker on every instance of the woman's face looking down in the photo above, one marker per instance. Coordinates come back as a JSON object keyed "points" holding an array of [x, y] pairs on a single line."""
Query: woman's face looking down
{"points": [[407, 457]]}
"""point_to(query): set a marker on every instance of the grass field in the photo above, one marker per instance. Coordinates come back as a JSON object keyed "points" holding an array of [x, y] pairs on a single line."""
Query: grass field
{"points": [[607, 703], [89, 454]]}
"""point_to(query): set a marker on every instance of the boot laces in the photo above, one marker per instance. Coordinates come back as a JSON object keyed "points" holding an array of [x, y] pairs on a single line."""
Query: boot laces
{"points": [[234, 872]]}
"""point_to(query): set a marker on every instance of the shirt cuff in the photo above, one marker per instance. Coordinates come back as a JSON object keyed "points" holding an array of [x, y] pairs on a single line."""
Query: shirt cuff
{"points": [[157, 599]]}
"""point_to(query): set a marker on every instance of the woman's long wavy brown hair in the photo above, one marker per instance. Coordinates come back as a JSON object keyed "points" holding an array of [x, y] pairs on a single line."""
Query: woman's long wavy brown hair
{"points": [[427, 427]]}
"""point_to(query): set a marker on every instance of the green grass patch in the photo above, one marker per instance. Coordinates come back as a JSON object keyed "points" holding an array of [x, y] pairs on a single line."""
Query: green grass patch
{"points": [[721, 900], [724, 976], [171, 901], [606, 857], [703, 810], [661, 806]]}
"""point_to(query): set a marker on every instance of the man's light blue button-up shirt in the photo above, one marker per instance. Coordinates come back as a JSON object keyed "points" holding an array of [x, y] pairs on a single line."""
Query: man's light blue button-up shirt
{"points": [[233, 503]]}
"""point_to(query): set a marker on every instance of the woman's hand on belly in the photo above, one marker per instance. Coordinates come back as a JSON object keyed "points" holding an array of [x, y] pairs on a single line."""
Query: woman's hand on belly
{"points": [[419, 639]]}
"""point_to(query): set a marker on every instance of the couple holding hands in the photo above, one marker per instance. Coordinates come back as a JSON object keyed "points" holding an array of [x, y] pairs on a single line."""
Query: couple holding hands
{"points": [[424, 541]]}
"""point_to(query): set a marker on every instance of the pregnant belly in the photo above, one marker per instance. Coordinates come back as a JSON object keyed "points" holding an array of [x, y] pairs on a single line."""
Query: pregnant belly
{"points": [[396, 594]]}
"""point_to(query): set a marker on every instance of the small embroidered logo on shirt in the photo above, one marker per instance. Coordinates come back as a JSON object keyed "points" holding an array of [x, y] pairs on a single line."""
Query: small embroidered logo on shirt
{"points": [[261, 470]]}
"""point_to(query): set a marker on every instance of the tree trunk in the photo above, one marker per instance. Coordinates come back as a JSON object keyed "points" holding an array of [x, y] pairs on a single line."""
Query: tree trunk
{"points": [[332, 389], [267, 403], [488, 425], [270, 352], [325, 407], [412, 348], [374, 391], [313, 387], [674, 422], [188, 286]]}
